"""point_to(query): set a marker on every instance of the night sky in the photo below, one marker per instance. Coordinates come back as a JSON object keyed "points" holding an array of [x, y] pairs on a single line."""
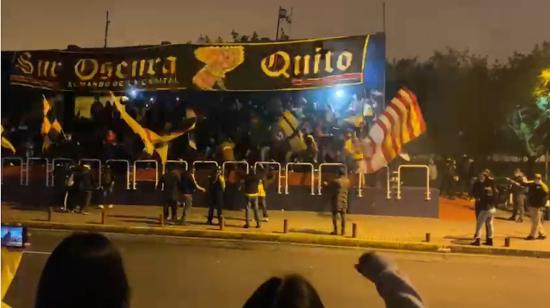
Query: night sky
{"points": [[414, 27]]}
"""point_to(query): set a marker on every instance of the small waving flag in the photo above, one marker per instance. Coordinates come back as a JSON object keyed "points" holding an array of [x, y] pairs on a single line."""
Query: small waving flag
{"points": [[191, 116], [152, 141], [5, 142], [50, 125], [401, 122], [289, 125]]}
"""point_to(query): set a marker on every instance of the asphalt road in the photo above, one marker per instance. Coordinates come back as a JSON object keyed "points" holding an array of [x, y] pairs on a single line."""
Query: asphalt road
{"points": [[180, 272]]}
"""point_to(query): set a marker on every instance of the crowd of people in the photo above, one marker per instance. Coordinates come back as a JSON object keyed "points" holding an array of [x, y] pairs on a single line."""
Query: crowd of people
{"points": [[532, 194], [76, 185], [87, 270], [253, 127]]}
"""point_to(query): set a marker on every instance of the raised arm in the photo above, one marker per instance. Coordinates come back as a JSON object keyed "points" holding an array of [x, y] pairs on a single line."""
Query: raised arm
{"points": [[396, 290]]}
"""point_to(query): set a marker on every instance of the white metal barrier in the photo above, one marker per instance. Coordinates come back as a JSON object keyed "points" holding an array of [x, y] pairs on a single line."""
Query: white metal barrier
{"points": [[174, 162], [388, 188], [204, 162], [53, 165], [21, 170], [428, 194], [146, 161], [320, 174], [235, 162], [272, 163], [29, 161], [310, 165], [127, 163], [94, 161]]}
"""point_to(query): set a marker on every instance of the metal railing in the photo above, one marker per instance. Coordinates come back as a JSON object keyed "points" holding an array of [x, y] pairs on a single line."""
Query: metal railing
{"points": [[235, 162], [94, 161], [279, 171], [25, 167], [175, 162], [388, 178], [51, 170], [320, 174], [204, 162], [428, 194], [310, 165], [28, 168], [146, 161], [21, 170], [127, 163]]}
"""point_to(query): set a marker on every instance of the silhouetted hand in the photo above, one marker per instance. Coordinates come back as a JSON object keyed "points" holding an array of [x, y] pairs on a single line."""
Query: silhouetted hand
{"points": [[371, 265]]}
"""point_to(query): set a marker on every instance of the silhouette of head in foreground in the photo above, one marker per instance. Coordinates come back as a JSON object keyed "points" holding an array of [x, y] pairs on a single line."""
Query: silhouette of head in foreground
{"points": [[85, 270], [291, 291]]}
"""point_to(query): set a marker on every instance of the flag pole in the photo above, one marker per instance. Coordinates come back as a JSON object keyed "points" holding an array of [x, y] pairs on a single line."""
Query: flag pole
{"points": [[278, 23], [107, 22], [385, 47]]}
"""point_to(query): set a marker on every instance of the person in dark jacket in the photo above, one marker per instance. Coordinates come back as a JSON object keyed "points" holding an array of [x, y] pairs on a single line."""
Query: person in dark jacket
{"points": [[484, 191], [339, 200], [172, 182], [250, 190], [216, 189], [60, 175], [107, 187], [188, 185], [538, 199], [519, 194], [72, 184], [86, 187]]}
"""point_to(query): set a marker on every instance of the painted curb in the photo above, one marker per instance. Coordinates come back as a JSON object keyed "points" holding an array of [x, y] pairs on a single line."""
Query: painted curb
{"points": [[289, 238]]}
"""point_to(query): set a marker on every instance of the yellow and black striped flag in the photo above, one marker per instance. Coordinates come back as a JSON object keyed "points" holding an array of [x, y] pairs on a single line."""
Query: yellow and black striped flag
{"points": [[50, 125], [152, 141], [289, 125], [5, 142]]}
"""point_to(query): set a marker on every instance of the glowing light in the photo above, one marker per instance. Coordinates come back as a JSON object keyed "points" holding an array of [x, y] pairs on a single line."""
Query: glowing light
{"points": [[133, 93], [152, 99], [339, 93]]}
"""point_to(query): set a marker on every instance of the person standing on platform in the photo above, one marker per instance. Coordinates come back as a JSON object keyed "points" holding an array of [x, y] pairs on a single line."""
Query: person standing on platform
{"points": [[484, 191], [188, 186], [216, 189], [262, 202], [250, 189], [107, 187], [172, 182], [71, 184], [227, 150], [537, 199], [86, 187], [339, 200], [519, 194]]}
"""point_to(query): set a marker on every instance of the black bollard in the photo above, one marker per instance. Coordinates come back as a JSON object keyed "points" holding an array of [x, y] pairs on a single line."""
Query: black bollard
{"points": [[507, 242], [161, 219], [285, 226], [222, 223], [354, 230], [103, 216], [428, 237], [50, 213]]}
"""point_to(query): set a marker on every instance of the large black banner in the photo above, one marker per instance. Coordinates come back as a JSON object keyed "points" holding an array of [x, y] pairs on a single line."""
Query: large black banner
{"points": [[290, 65]]}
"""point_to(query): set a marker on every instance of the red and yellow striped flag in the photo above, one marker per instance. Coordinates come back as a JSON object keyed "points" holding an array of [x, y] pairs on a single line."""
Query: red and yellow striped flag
{"points": [[401, 122]]}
